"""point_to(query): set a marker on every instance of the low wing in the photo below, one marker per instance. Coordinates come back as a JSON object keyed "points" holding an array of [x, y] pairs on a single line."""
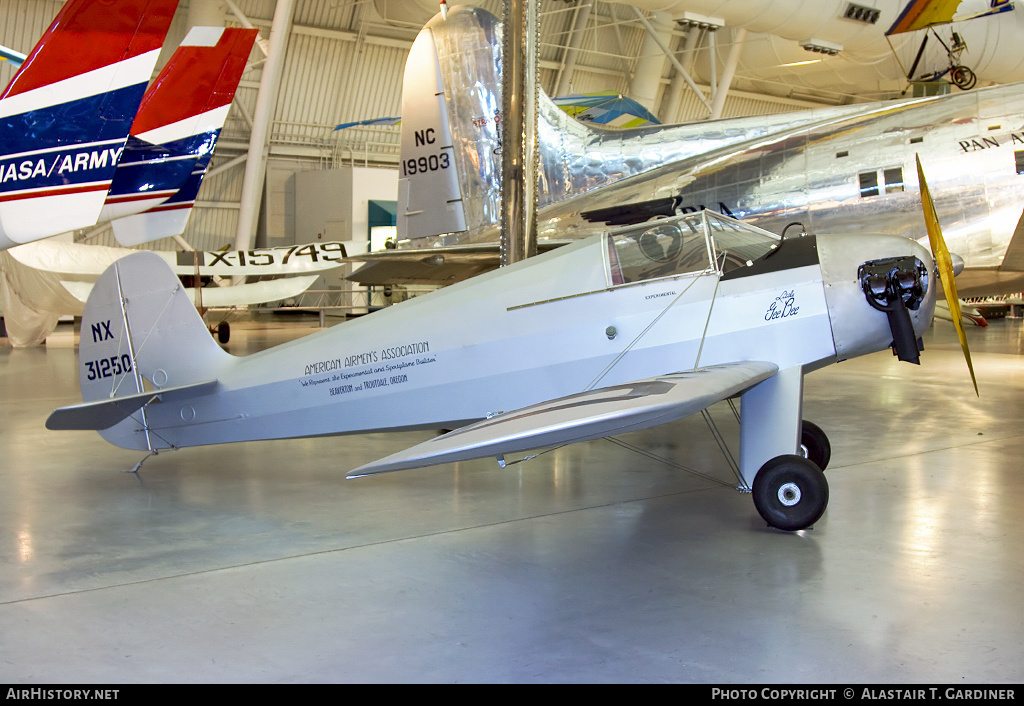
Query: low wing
{"points": [[581, 417]]}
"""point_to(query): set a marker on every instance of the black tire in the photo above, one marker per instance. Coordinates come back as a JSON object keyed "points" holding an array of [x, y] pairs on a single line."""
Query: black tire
{"points": [[223, 332], [963, 78], [790, 492], [816, 446]]}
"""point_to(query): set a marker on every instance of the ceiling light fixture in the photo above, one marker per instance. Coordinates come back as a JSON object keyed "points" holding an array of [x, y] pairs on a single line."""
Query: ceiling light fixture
{"points": [[820, 46]]}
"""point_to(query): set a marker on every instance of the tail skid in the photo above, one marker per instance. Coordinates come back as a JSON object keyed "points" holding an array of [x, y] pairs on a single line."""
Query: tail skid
{"points": [[142, 343]]}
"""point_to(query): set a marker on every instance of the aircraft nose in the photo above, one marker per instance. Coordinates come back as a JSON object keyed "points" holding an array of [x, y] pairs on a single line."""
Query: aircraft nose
{"points": [[880, 290]]}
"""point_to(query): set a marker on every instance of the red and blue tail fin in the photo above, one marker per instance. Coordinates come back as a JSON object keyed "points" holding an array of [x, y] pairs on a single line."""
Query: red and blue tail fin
{"points": [[66, 114], [183, 113]]}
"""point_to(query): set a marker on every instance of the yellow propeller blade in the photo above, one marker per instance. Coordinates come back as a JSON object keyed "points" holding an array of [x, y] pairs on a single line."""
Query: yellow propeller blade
{"points": [[945, 265]]}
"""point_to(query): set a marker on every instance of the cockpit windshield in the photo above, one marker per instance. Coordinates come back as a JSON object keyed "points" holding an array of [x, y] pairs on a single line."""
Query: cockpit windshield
{"points": [[693, 243]]}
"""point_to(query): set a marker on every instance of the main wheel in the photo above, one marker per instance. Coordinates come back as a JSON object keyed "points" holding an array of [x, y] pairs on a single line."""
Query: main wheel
{"points": [[815, 445], [963, 78], [223, 332], [790, 492]]}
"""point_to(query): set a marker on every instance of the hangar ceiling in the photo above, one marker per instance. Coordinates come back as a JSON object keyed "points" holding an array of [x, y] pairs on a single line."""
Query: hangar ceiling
{"points": [[342, 61]]}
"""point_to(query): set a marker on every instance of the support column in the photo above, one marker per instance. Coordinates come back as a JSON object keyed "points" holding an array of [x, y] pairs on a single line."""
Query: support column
{"points": [[651, 64], [671, 57], [572, 49], [722, 91], [670, 106], [256, 165]]}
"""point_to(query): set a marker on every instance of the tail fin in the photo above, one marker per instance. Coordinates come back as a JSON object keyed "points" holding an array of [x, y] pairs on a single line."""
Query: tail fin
{"points": [[65, 116], [182, 113], [451, 119], [142, 341]]}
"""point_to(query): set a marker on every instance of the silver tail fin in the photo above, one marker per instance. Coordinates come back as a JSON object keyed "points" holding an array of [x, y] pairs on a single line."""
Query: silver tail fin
{"points": [[142, 342], [450, 177]]}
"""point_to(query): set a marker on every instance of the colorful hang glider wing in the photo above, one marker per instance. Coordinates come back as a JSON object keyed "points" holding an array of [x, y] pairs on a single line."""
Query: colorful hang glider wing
{"points": [[609, 108], [921, 14], [371, 121]]}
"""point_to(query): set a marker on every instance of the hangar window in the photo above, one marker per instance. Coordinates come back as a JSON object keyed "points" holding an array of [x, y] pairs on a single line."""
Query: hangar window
{"points": [[869, 184], [893, 180], [1019, 156]]}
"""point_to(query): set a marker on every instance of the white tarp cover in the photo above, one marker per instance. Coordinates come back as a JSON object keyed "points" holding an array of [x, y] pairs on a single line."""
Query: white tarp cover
{"points": [[34, 297], [33, 300]]}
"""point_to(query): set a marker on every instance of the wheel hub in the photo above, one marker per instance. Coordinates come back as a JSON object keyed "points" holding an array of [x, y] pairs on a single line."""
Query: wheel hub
{"points": [[789, 494]]}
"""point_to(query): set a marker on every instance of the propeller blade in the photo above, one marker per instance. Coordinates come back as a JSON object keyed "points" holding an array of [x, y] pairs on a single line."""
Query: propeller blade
{"points": [[944, 263]]}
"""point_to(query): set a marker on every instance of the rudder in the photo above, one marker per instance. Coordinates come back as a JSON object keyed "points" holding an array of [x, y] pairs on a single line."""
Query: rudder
{"points": [[141, 333]]}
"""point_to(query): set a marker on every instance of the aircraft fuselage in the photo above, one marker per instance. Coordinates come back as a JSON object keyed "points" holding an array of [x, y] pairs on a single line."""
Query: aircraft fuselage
{"points": [[640, 302]]}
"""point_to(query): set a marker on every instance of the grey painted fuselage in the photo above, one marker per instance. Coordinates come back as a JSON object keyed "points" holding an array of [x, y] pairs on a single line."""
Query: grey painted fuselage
{"points": [[502, 341]]}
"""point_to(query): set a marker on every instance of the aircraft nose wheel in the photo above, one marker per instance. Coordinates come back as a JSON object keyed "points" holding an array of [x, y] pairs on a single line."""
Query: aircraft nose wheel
{"points": [[790, 492]]}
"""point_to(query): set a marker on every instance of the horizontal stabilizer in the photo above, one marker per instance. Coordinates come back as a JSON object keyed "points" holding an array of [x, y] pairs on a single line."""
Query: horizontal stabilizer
{"points": [[581, 417], [103, 414]]}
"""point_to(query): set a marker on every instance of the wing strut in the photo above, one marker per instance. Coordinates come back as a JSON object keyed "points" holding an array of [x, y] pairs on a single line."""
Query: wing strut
{"points": [[139, 387], [607, 369]]}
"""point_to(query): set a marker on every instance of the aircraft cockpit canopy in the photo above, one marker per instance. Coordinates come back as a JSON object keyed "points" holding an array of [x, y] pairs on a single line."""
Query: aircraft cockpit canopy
{"points": [[693, 243]]}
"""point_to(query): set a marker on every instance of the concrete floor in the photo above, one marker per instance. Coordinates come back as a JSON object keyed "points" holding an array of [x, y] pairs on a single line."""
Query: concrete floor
{"points": [[259, 562]]}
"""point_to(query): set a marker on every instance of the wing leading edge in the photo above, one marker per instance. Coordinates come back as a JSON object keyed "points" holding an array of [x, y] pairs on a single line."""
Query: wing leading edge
{"points": [[588, 415]]}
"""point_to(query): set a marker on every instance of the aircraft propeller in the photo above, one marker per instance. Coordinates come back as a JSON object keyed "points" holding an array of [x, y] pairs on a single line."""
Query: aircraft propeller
{"points": [[944, 263]]}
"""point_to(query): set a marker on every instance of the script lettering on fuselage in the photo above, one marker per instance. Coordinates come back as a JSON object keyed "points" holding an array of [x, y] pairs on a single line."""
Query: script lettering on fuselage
{"points": [[368, 374], [783, 307]]}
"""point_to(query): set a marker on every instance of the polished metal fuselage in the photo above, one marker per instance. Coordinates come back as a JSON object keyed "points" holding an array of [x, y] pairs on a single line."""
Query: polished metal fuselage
{"points": [[970, 145], [769, 171]]}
